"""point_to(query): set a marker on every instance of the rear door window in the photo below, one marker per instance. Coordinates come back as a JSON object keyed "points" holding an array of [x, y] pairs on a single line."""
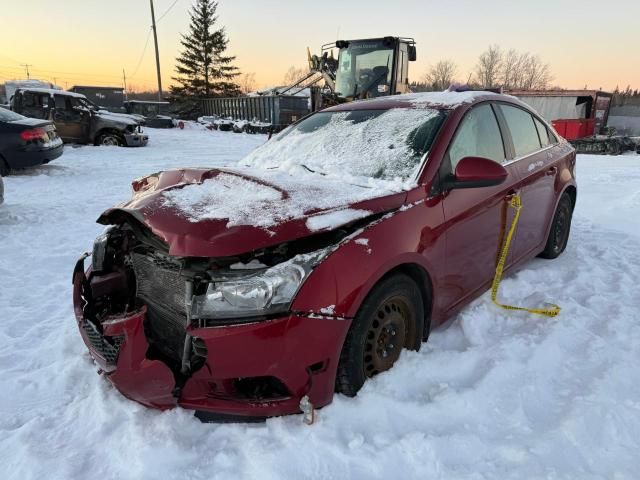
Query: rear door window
{"points": [[61, 102], [543, 133], [477, 136], [523, 130]]}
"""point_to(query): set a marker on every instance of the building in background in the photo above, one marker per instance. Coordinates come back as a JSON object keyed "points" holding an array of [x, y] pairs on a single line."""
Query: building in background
{"points": [[111, 98]]}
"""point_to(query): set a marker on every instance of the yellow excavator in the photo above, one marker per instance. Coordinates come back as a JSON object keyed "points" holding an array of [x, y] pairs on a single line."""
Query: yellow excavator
{"points": [[364, 68]]}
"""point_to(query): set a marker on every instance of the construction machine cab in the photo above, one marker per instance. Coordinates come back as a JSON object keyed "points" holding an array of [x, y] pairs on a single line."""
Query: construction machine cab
{"points": [[372, 67]]}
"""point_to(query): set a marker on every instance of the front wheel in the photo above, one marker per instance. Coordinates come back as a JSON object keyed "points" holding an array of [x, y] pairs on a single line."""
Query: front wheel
{"points": [[391, 318], [560, 228], [110, 139]]}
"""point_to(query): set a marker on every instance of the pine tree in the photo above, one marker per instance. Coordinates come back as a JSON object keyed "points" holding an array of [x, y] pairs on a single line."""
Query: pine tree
{"points": [[203, 70]]}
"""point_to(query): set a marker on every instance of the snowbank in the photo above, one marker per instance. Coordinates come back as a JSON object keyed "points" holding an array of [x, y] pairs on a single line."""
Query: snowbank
{"points": [[492, 395]]}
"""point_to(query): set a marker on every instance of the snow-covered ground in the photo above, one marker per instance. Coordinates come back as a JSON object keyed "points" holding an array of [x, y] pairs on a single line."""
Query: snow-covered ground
{"points": [[493, 394]]}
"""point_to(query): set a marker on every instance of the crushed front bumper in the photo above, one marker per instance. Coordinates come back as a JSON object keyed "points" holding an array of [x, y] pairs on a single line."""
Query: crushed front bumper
{"points": [[300, 352], [136, 139]]}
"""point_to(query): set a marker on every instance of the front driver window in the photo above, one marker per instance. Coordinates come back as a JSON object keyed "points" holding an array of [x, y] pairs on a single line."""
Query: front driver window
{"points": [[477, 136]]}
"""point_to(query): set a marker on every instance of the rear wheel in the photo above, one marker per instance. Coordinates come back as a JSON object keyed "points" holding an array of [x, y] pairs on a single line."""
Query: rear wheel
{"points": [[560, 228], [4, 168], [112, 139], [390, 319]]}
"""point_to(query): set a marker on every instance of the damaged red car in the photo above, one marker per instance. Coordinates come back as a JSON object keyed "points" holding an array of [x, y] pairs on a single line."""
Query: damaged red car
{"points": [[311, 264]]}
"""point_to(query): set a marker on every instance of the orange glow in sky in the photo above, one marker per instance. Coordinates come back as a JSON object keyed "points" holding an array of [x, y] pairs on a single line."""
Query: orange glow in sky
{"points": [[90, 42]]}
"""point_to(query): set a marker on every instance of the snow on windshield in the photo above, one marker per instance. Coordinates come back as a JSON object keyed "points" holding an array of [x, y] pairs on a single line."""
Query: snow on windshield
{"points": [[378, 144]]}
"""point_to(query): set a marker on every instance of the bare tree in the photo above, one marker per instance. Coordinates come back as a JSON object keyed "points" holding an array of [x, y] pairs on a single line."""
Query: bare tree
{"points": [[488, 68], [512, 69], [248, 82], [525, 71], [294, 74], [441, 75], [536, 74]]}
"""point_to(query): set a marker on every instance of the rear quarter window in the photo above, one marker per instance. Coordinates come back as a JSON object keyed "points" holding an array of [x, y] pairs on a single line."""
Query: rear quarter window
{"points": [[543, 133], [523, 130]]}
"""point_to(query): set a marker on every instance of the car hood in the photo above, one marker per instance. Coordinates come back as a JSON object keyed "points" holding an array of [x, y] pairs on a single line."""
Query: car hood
{"points": [[117, 117], [202, 212]]}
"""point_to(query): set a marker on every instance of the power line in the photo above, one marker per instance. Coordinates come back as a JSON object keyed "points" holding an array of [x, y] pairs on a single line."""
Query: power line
{"points": [[144, 50], [166, 11]]}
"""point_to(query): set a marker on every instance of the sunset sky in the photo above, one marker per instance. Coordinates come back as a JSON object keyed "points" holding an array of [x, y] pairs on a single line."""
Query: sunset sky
{"points": [[90, 41]]}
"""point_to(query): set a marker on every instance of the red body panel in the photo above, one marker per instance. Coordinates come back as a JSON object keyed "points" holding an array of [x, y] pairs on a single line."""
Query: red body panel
{"points": [[453, 236]]}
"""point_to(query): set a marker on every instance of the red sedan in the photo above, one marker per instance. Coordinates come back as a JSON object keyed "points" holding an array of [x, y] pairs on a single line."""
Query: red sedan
{"points": [[307, 268]]}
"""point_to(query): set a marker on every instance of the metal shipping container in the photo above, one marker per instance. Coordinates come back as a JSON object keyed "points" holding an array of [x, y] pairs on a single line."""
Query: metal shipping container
{"points": [[106, 97], [279, 110]]}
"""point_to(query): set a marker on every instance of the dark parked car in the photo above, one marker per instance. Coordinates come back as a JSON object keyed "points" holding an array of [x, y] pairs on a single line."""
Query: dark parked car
{"points": [[249, 292], [77, 119], [155, 114], [26, 142]]}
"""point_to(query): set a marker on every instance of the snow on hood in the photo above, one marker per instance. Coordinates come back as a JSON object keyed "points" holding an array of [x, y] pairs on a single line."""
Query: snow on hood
{"points": [[228, 212], [268, 198], [117, 117]]}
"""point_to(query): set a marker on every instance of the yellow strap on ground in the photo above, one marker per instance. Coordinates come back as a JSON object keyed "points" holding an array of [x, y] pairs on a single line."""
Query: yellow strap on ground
{"points": [[551, 310]]}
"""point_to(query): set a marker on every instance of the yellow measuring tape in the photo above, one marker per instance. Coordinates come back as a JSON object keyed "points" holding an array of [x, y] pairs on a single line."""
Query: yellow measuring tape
{"points": [[552, 310]]}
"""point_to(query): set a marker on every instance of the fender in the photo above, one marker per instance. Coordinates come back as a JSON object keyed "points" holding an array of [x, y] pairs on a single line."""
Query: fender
{"points": [[377, 249]]}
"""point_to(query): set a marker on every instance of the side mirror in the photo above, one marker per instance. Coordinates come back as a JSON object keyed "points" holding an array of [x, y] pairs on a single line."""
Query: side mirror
{"points": [[474, 172], [412, 53]]}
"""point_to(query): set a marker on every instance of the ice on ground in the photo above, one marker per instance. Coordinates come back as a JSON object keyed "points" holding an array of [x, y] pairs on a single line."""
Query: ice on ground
{"points": [[492, 395]]}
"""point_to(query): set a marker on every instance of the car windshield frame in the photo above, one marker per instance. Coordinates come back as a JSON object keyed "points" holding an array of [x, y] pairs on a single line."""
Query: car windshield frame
{"points": [[374, 144]]}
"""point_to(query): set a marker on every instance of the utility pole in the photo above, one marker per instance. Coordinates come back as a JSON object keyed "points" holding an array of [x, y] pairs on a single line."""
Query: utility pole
{"points": [[26, 66], [124, 83], [155, 40]]}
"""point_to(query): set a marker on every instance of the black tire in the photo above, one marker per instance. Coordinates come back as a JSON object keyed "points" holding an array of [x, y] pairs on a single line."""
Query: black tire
{"points": [[4, 168], [110, 139], [560, 228], [391, 318]]}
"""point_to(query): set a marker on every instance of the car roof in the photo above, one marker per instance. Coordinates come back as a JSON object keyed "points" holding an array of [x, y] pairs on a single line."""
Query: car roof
{"points": [[440, 100], [51, 91]]}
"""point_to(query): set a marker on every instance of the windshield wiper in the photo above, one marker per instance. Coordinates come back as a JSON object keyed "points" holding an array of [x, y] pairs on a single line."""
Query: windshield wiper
{"points": [[312, 170]]}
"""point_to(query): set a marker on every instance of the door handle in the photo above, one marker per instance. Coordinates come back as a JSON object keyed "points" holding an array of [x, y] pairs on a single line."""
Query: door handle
{"points": [[552, 171]]}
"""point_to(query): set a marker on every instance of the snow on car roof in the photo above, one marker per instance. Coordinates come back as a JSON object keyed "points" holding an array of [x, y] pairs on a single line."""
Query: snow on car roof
{"points": [[446, 99], [52, 91]]}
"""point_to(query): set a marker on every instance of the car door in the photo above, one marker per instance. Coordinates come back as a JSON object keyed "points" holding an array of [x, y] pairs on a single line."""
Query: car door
{"points": [[535, 162], [68, 122], [475, 218]]}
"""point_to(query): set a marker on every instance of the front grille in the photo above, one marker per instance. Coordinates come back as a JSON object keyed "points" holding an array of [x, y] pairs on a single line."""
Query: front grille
{"points": [[107, 347], [161, 287]]}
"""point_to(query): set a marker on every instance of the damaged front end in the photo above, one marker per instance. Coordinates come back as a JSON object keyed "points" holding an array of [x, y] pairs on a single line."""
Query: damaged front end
{"points": [[215, 335]]}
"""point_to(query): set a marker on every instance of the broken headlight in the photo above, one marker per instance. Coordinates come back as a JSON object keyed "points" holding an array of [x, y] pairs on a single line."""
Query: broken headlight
{"points": [[100, 250], [250, 293]]}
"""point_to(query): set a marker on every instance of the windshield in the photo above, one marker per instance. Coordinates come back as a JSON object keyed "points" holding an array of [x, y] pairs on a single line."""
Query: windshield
{"points": [[9, 116], [379, 144], [364, 69], [84, 103]]}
